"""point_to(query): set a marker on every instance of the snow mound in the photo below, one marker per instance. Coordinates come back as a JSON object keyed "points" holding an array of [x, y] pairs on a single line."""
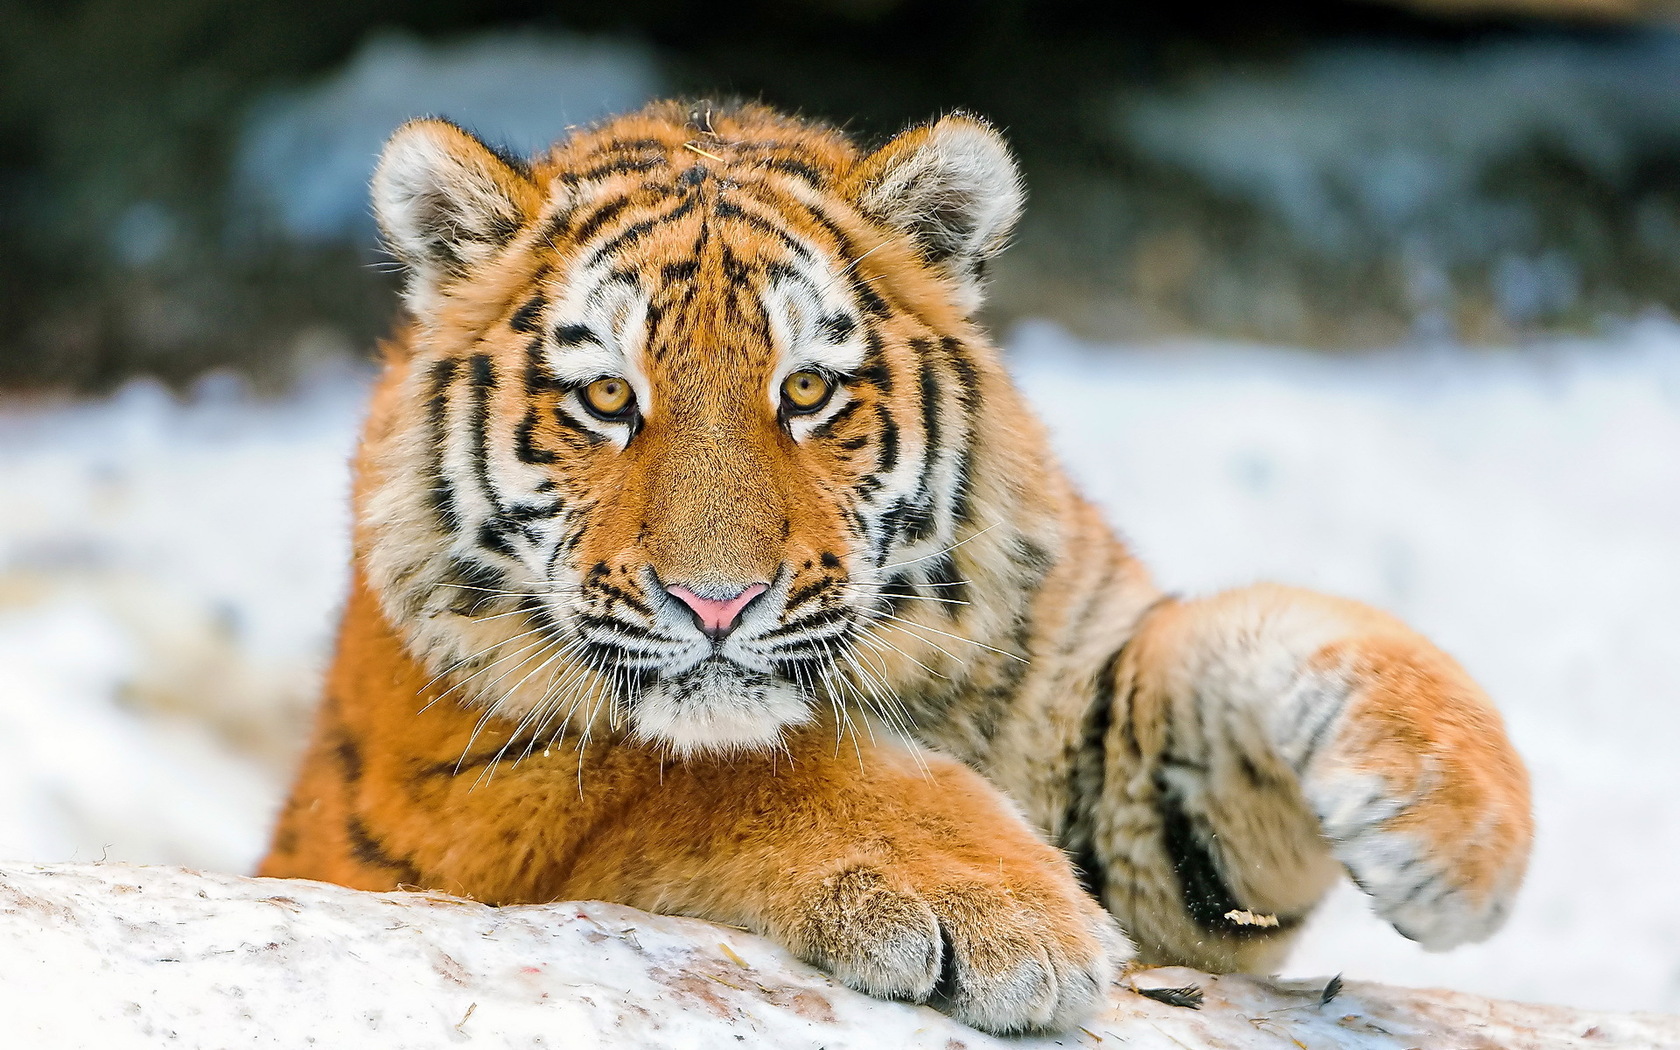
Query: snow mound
{"points": [[149, 955]]}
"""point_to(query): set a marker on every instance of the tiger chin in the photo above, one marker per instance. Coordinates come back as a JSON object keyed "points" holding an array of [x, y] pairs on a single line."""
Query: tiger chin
{"points": [[707, 560]]}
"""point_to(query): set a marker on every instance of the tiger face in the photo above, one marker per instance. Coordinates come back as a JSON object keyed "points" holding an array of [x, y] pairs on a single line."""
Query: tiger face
{"points": [[683, 413]]}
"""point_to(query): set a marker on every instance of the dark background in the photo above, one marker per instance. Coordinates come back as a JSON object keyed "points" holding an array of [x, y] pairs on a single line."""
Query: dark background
{"points": [[118, 116]]}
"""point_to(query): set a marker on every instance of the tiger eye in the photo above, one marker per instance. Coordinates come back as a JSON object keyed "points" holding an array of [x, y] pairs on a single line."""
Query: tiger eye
{"points": [[805, 391], [607, 397]]}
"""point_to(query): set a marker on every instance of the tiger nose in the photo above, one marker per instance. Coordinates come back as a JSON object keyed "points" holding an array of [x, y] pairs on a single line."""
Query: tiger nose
{"points": [[717, 616]]}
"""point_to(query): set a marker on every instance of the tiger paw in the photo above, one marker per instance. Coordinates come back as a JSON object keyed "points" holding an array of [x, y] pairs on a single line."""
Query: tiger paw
{"points": [[1419, 792], [1017, 947]]}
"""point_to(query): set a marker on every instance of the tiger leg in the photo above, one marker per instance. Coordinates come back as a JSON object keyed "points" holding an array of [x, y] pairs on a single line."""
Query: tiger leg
{"points": [[906, 875], [903, 873], [1264, 740]]}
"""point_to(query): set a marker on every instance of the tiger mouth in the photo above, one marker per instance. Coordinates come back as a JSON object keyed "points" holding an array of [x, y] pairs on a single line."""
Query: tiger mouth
{"points": [[718, 705], [695, 692]]}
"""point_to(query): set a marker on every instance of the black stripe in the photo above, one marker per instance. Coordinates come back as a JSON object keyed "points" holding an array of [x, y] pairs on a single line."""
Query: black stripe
{"points": [[574, 335], [492, 537], [557, 224], [532, 511], [968, 377], [526, 319], [579, 430], [1030, 556], [1207, 896], [962, 485], [942, 573], [437, 413], [998, 698], [621, 166], [637, 230], [865, 294], [524, 441], [349, 755], [628, 146], [968, 396], [808, 592], [369, 850], [910, 517], [837, 328], [484, 384], [823, 618], [1316, 739], [920, 525], [623, 597], [1088, 778], [600, 217], [538, 380], [470, 586], [796, 168], [726, 209], [735, 271], [825, 429], [680, 271], [889, 438], [874, 368]]}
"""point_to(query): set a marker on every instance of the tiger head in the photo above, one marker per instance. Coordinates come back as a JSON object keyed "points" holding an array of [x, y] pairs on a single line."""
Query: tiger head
{"points": [[689, 416]]}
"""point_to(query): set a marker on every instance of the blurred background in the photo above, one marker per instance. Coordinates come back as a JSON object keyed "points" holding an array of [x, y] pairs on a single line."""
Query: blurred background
{"points": [[1375, 297]]}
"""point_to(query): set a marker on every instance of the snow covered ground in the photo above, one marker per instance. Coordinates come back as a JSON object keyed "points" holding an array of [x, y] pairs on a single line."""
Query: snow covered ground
{"points": [[154, 955], [169, 572]]}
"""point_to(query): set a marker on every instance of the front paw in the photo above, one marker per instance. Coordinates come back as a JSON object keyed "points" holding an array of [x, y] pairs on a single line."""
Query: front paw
{"points": [[1419, 792], [1012, 947]]}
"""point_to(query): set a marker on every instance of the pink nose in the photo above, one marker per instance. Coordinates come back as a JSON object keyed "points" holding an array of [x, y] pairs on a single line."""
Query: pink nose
{"points": [[716, 617]]}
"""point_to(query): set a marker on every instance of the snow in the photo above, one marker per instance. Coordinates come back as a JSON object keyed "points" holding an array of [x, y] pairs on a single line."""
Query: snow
{"points": [[170, 570], [155, 955], [167, 578]]}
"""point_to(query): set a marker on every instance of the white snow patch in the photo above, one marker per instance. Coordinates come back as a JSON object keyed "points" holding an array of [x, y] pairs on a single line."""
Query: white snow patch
{"points": [[169, 573]]}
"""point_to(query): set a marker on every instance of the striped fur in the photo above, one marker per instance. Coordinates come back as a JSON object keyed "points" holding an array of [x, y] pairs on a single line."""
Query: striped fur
{"points": [[954, 662]]}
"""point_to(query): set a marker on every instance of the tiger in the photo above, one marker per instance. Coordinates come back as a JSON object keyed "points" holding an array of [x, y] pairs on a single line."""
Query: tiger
{"points": [[706, 560]]}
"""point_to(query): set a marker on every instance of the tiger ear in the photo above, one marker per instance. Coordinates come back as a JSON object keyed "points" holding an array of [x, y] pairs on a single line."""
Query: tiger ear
{"points": [[954, 188], [446, 203]]}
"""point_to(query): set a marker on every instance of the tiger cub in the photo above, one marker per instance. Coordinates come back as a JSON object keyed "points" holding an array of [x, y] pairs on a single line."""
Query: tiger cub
{"points": [[707, 561]]}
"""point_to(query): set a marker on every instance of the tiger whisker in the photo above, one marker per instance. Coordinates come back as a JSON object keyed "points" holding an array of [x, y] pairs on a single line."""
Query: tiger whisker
{"points": [[489, 768], [913, 597], [843, 718], [888, 708], [849, 267], [568, 692], [487, 666], [539, 713], [877, 673], [882, 643], [543, 662], [539, 589], [935, 554], [953, 637]]}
